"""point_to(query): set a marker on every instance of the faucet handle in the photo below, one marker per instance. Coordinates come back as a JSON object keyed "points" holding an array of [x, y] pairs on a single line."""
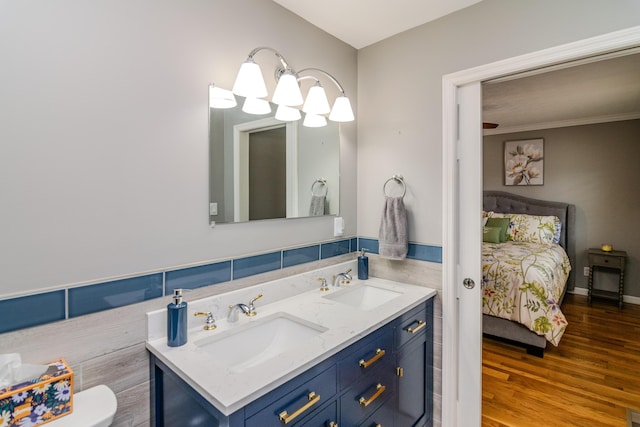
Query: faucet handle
{"points": [[323, 286], [210, 322], [255, 299]]}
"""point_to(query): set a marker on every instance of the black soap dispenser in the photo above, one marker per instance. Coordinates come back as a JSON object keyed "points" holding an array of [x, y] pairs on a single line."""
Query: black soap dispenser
{"points": [[177, 320], [363, 265]]}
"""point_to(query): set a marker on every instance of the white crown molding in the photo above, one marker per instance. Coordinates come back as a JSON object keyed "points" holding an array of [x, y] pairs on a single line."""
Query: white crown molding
{"points": [[562, 123]]}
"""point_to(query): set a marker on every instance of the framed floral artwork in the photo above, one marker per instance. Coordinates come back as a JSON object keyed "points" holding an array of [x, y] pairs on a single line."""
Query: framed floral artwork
{"points": [[524, 162]]}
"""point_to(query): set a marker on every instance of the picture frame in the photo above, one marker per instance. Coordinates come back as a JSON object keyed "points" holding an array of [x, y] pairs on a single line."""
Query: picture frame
{"points": [[524, 162]]}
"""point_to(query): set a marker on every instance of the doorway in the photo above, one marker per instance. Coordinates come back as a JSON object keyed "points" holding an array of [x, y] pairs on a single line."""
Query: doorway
{"points": [[462, 104]]}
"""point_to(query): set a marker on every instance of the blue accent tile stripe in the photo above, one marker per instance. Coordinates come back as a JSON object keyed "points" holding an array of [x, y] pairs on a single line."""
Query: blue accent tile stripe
{"points": [[291, 257], [50, 306], [371, 245], [331, 249], [257, 264], [425, 253], [197, 277], [93, 298], [31, 310]]}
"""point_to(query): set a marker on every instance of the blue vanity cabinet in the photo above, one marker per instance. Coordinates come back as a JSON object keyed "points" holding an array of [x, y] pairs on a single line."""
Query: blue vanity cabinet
{"points": [[414, 356], [384, 379]]}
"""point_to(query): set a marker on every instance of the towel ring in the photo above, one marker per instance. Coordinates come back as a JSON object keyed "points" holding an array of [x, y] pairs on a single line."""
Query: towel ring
{"points": [[400, 180], [322, 182]]}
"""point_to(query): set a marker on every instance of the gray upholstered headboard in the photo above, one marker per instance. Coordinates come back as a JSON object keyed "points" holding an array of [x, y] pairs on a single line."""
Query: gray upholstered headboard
{"points": [[500, 201]]}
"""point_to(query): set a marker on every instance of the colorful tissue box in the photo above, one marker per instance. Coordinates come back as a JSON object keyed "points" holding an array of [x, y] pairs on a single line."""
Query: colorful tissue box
{"points": [[36, 402]]}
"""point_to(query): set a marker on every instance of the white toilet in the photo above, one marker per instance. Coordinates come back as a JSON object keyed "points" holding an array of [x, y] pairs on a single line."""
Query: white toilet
{"points": [[94, 407]]}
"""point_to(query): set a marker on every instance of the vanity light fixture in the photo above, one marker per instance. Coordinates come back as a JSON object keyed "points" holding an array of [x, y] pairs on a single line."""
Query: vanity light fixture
{"points": [[250, 83], [287, 114], [221, 98], [256, 106], [314, 120]]}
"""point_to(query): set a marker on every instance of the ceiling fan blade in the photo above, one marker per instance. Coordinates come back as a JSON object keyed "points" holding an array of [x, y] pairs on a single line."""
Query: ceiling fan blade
{"points": [[486, 125]]}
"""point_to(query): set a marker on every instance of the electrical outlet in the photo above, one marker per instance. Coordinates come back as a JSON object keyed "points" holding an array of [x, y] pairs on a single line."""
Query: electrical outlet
{"points": [[586, 271], [213, 209]]}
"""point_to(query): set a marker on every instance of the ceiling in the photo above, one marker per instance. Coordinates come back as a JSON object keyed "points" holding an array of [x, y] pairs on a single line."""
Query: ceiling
{"points": [[587, 91], [597, 90], [364, 22]]}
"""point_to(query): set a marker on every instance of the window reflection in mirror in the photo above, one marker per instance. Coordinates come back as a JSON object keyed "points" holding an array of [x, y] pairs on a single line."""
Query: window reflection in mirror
{"points": [[263, 168]]}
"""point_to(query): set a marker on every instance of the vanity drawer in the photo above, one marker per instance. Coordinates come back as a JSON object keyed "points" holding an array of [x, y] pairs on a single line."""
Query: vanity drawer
{"points": [[368, 394], [382, 417], [324, 418], [366, 357], [298, 404], [414, 323]]}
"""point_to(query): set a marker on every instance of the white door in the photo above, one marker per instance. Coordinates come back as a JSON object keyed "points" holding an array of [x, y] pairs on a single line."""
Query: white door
{"points": [[462, 314], [469, 242], [462, 196]]}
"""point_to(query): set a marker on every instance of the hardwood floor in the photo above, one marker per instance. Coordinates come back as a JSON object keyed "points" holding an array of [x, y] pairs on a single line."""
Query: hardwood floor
{"points": [[590, 379]]}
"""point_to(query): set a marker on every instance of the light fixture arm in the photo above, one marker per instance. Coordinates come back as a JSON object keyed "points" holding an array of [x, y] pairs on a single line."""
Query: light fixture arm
{"points": [[282, 59], [333, 79]]}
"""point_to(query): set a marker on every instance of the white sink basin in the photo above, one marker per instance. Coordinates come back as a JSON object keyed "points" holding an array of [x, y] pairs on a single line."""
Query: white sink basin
{"points": [[364, 297], [251, 344]]}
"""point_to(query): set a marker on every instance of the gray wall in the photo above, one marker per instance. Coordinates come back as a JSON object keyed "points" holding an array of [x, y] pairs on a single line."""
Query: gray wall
{"points": [[400, 91], [104, 122], [594, 167]]}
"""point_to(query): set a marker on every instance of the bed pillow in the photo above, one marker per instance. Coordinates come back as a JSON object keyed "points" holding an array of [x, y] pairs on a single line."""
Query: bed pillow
{"points": [[502, 224], [491, 234], [533, 228], [558, 233]]}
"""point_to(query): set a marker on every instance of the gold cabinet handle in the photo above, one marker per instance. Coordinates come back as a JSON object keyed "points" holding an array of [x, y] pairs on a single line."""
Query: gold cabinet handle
{"points": [[333, 424], [379, 354], [366, 402], [421, 324], [313, 399]]}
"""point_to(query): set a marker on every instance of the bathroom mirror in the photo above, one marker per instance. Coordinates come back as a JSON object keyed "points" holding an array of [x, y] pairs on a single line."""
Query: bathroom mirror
{"points": [[264, 168]]}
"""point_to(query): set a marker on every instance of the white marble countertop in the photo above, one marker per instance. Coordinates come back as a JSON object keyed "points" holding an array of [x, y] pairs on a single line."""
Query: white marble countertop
{"points": [[229, 390]]}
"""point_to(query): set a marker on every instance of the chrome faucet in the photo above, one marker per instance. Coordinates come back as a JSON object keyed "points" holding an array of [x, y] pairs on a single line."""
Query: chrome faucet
{"points": [[342, 278], [247, 309]]}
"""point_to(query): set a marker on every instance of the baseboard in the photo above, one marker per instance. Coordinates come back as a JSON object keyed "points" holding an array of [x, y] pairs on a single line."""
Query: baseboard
{"points": [[626, 298]]}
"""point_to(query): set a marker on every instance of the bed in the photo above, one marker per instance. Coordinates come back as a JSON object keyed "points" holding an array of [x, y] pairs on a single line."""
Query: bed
{"points": [[506, 203]]}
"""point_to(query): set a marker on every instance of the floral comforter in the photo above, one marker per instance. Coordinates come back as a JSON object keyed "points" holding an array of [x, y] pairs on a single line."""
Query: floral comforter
{"points": [[523, 282]]}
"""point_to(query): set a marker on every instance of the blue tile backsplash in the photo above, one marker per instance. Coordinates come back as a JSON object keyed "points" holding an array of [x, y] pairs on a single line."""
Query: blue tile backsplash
{"points": [[103, 296], [31, 310], [56, 305], [291, 257], [257, 264], [197, 277]]}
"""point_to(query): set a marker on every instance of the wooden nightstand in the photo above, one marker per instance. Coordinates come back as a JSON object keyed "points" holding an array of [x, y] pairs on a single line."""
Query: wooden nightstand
{"points": [[613, 260]]}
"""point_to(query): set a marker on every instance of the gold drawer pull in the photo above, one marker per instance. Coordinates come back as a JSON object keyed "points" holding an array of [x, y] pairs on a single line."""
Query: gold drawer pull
{"points": [[333, 424], [379, 354], [313, 399], [366, 402], [421, 324]]}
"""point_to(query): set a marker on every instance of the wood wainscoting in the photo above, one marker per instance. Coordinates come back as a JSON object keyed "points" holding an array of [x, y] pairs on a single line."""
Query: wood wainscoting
{"points": [[590, 379]]}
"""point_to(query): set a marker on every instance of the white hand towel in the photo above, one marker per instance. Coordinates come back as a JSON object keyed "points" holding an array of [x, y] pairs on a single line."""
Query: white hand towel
{"points": [[393, 238]]}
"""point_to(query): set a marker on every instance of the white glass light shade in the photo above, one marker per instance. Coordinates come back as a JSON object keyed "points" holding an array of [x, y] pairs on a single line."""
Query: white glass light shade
{"points": [[256, 106], [221, 98], [287, 114], [341, 111], [316, 102], [287, 91], [314, 121], [249, 81]]}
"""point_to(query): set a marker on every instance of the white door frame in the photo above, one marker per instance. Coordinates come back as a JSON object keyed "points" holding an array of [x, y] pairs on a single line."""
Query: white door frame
{"points": [[241, 134], [451, 326]]}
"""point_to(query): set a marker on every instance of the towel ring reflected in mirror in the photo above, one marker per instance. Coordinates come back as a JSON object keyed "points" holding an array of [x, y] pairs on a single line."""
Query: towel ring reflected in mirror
{"points": [[400, 180], [321, 184]]}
